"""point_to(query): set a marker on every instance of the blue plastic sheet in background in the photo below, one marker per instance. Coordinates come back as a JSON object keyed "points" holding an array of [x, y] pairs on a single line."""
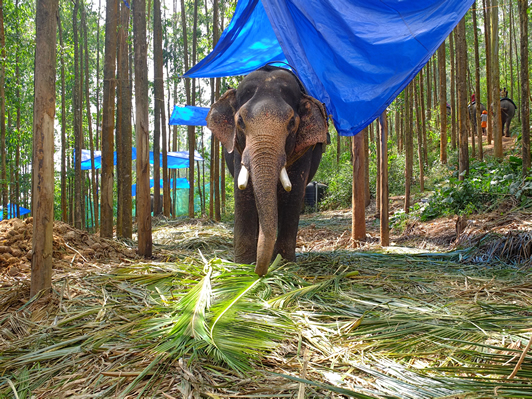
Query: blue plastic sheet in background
{"points": [[356, 56], [12, 211], [189, 115], [176, 159], [246, 44], [181, 182]]}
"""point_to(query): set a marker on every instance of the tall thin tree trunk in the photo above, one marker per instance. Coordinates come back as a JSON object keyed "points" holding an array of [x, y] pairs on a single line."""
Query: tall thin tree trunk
{"points": [[111, 24], [461, 55], [443, 104], [366, 168], [497, 128], [453, 89], [487, 43], [64, 216], [78, 143], [3, 184], [94, 190], [409, 145], [423, 122], [145, 245], [525, 85], [417, 108], [358, 231], [43, 146], [477, 87], [383, 210]]}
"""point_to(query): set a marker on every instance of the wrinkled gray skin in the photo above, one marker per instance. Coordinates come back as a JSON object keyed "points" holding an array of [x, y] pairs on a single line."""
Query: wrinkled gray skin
{"points": [[473, 116], [266, 124], [507, 113]]}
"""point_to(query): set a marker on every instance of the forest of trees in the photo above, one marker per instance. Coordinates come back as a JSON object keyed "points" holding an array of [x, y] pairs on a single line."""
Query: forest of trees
{"points": [[104, 55]]}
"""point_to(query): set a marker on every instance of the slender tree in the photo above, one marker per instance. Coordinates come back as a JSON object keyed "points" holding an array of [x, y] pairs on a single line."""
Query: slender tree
{"points": [[383, 210], [495, 89], [3, 184], [525, 85], [78, 215], [358, 200], [419, 131], [443, 103], [477, 86], [461, 57], [145, 245], [43, 146], [111, 24], [409, 145], [452, 90]]}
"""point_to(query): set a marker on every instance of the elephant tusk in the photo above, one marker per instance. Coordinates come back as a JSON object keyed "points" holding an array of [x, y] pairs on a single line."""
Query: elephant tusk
{"points": [[285, 180], [243, 178]]}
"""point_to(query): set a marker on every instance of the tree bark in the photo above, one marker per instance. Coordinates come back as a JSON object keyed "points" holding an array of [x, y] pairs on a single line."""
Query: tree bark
{"points": [[495, 94], [3, 184], [461, 55], [525, 86], [359, 189], [109, 81], [443, 104], [417, 107], [477, 86], [487, 43], [383, 210], [453, 89], [409, 146], [124, 134], [145, 245], [78, 195], [43, 146], [64, 216]]}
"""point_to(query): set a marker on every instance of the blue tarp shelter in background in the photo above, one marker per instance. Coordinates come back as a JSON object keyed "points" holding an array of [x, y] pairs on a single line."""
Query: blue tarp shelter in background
{"points": [[189, 115], [12, 211], [355, 56], [176, 159], [180, 182]]}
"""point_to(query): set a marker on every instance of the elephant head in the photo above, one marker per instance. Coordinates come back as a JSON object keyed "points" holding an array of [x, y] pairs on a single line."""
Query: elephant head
{"points": [[271, 122]]}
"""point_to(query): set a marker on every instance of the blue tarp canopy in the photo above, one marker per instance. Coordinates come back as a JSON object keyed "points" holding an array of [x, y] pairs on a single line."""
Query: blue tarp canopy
{"points": [[189, 115], [355, 56], [176, 159], [12, 211], [180, 182]]}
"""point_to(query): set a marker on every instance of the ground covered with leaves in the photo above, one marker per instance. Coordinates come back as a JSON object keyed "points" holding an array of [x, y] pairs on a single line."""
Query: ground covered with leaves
{"points": [[445, 312]]}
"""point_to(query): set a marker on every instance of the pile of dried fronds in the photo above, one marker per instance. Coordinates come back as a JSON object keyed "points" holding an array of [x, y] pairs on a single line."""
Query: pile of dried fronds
{"points": [[341, 324]]}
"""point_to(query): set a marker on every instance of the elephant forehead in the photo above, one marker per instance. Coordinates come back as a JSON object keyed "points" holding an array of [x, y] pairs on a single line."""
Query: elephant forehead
{"points": [[277, 84], [262, 108]]}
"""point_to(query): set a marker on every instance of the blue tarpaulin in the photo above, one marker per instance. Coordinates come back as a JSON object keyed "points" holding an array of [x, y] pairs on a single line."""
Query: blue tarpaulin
{"points": [[189, 115], [180, 182], [176, 159], [355, 56], [12, 211]]}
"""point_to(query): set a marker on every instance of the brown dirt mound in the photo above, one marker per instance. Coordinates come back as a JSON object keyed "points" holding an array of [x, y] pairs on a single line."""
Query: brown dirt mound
{"points": [[71, 248]]}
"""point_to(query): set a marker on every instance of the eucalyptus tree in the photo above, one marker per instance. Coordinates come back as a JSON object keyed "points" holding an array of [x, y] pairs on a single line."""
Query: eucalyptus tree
{"points": [[3, 183], [43, 146], [525, 85]]}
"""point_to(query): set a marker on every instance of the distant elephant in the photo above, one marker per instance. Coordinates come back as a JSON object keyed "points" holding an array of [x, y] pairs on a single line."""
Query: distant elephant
{"points": [[473, 116], [507, 113], [279, 134]]}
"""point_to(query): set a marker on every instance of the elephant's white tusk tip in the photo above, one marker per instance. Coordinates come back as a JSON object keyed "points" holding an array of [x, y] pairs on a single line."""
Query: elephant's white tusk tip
{"points": [[285, 180], [243, 178]]}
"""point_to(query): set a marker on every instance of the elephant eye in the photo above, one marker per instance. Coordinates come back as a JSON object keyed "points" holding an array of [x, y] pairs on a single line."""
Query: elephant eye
{"points": [[292, 123], [241, 123]]}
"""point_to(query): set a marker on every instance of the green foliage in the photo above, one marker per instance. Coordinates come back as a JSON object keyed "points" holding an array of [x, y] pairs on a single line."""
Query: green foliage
{"points": [[488, 184]]}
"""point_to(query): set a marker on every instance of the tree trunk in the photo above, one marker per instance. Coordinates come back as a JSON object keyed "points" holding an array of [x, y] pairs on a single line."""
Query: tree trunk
{"points": [[461, 56], [383, 210], [429, 88], [142, 130], [423, 123], [453, 89], [94, 208], [366, 168], [111, 24], [124, 139], [3, 152], [43, 146], [409, 146], [417, 107], [443, 104], [495, 93], [64, 216], [487, 43], [78, 195], [477, 87], [525, 86], [359, 189]]}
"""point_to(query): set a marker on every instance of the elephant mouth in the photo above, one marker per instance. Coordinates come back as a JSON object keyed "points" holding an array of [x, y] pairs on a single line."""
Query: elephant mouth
{"points": [[243, 178]]}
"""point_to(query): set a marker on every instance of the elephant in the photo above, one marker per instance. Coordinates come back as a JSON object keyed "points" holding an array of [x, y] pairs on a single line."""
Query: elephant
{"points": [[473, 116], [273, 134], [507, 113]]}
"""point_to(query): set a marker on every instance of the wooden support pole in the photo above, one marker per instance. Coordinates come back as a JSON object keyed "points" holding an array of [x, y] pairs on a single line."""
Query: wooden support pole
{"points": [[383, 211], [359, 189]]}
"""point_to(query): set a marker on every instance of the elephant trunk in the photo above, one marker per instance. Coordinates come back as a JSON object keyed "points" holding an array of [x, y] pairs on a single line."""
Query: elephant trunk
{"points": [[265, 169]]}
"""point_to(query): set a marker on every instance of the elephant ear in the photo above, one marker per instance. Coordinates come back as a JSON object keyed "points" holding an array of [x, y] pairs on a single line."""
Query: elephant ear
{"points": [[312, 125], [221, 119]]}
